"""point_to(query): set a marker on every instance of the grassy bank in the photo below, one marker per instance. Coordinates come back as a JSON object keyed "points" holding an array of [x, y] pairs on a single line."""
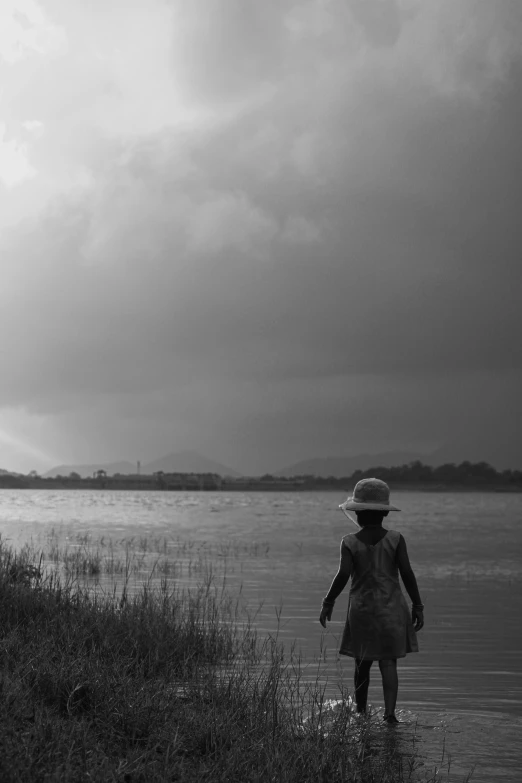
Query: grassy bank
{"points": [[163, 685]]}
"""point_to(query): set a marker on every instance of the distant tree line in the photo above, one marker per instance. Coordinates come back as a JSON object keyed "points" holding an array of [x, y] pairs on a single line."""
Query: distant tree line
{"points": [[465, 474], [473, 474]]}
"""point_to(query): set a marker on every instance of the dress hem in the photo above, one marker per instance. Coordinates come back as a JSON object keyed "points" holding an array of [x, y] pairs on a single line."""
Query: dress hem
{"points": [[376, 657]]}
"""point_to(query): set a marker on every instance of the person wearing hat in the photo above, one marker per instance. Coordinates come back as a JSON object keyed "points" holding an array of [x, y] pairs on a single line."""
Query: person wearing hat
{"points": [[378, 625]]}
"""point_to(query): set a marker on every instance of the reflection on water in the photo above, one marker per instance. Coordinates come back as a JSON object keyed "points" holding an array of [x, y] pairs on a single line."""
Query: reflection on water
{"points": [[381, 747], [460, 698]]}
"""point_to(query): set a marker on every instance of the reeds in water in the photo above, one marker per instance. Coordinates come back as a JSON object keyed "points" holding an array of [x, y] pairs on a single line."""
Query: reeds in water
{"points": [[166, 684]]}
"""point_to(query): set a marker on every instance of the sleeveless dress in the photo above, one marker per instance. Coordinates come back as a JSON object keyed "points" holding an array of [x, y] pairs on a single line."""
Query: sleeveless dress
{"points": [[378, 625]]}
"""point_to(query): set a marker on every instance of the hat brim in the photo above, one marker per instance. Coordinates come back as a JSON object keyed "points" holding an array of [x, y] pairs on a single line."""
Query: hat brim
{"points": [[351, 505]]}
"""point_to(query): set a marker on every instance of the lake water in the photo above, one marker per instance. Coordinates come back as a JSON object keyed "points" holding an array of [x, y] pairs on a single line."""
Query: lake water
{"points": [[460, 697]]}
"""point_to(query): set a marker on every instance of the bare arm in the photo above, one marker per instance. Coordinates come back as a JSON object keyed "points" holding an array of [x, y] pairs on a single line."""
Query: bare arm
{"points": [[339, 583], [410, 583]]}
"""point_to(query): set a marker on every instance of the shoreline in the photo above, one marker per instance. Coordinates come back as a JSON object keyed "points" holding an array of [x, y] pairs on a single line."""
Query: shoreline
{"points": [[202, 485]]}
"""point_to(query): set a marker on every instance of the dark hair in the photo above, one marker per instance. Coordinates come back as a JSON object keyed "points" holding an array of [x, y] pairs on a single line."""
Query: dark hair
{"points": [[370, 516]]}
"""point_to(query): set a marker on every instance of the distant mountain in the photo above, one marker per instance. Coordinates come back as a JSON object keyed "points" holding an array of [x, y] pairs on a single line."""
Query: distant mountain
{"points": [[87, 470], [188, 462], [345, 466], [503, 451], [181, 462]]}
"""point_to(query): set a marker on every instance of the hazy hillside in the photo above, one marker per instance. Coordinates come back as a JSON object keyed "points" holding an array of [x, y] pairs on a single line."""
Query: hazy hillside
{"points": [[345, 466], [87, 470], [180, 462], [501, 452], [188, 462]]}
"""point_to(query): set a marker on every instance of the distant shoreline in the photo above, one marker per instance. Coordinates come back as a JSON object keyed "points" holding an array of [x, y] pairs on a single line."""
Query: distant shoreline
{"points": [[143, 484], [413, 477]]}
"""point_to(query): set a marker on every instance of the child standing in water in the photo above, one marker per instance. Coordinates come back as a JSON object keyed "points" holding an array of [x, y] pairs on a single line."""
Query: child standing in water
{"points": [[378, 626]]}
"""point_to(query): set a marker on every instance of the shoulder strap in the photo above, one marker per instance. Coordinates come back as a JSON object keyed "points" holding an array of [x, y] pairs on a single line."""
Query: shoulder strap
{"points": [[393, 538], [349, 539]]}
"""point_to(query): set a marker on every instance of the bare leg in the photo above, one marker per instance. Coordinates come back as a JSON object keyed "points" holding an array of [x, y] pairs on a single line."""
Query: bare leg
{"points": [[390, 687], [361, 681]]}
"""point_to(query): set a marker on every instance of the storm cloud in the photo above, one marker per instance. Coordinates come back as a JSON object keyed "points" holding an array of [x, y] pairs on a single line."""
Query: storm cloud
{"points": [[265, 231]]}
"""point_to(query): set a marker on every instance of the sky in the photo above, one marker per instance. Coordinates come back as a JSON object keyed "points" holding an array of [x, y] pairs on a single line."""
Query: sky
{"points": [[262, 231]]}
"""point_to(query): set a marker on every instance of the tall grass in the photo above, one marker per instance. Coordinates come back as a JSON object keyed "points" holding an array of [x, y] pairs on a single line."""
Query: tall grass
{"points": [[166, 684]]}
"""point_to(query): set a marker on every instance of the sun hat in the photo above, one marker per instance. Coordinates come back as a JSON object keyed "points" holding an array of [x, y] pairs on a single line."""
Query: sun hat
{"points": [[369, 494]]}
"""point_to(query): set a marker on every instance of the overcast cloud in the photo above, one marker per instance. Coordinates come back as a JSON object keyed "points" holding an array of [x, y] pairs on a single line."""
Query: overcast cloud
{"points": [[264, 231]]}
